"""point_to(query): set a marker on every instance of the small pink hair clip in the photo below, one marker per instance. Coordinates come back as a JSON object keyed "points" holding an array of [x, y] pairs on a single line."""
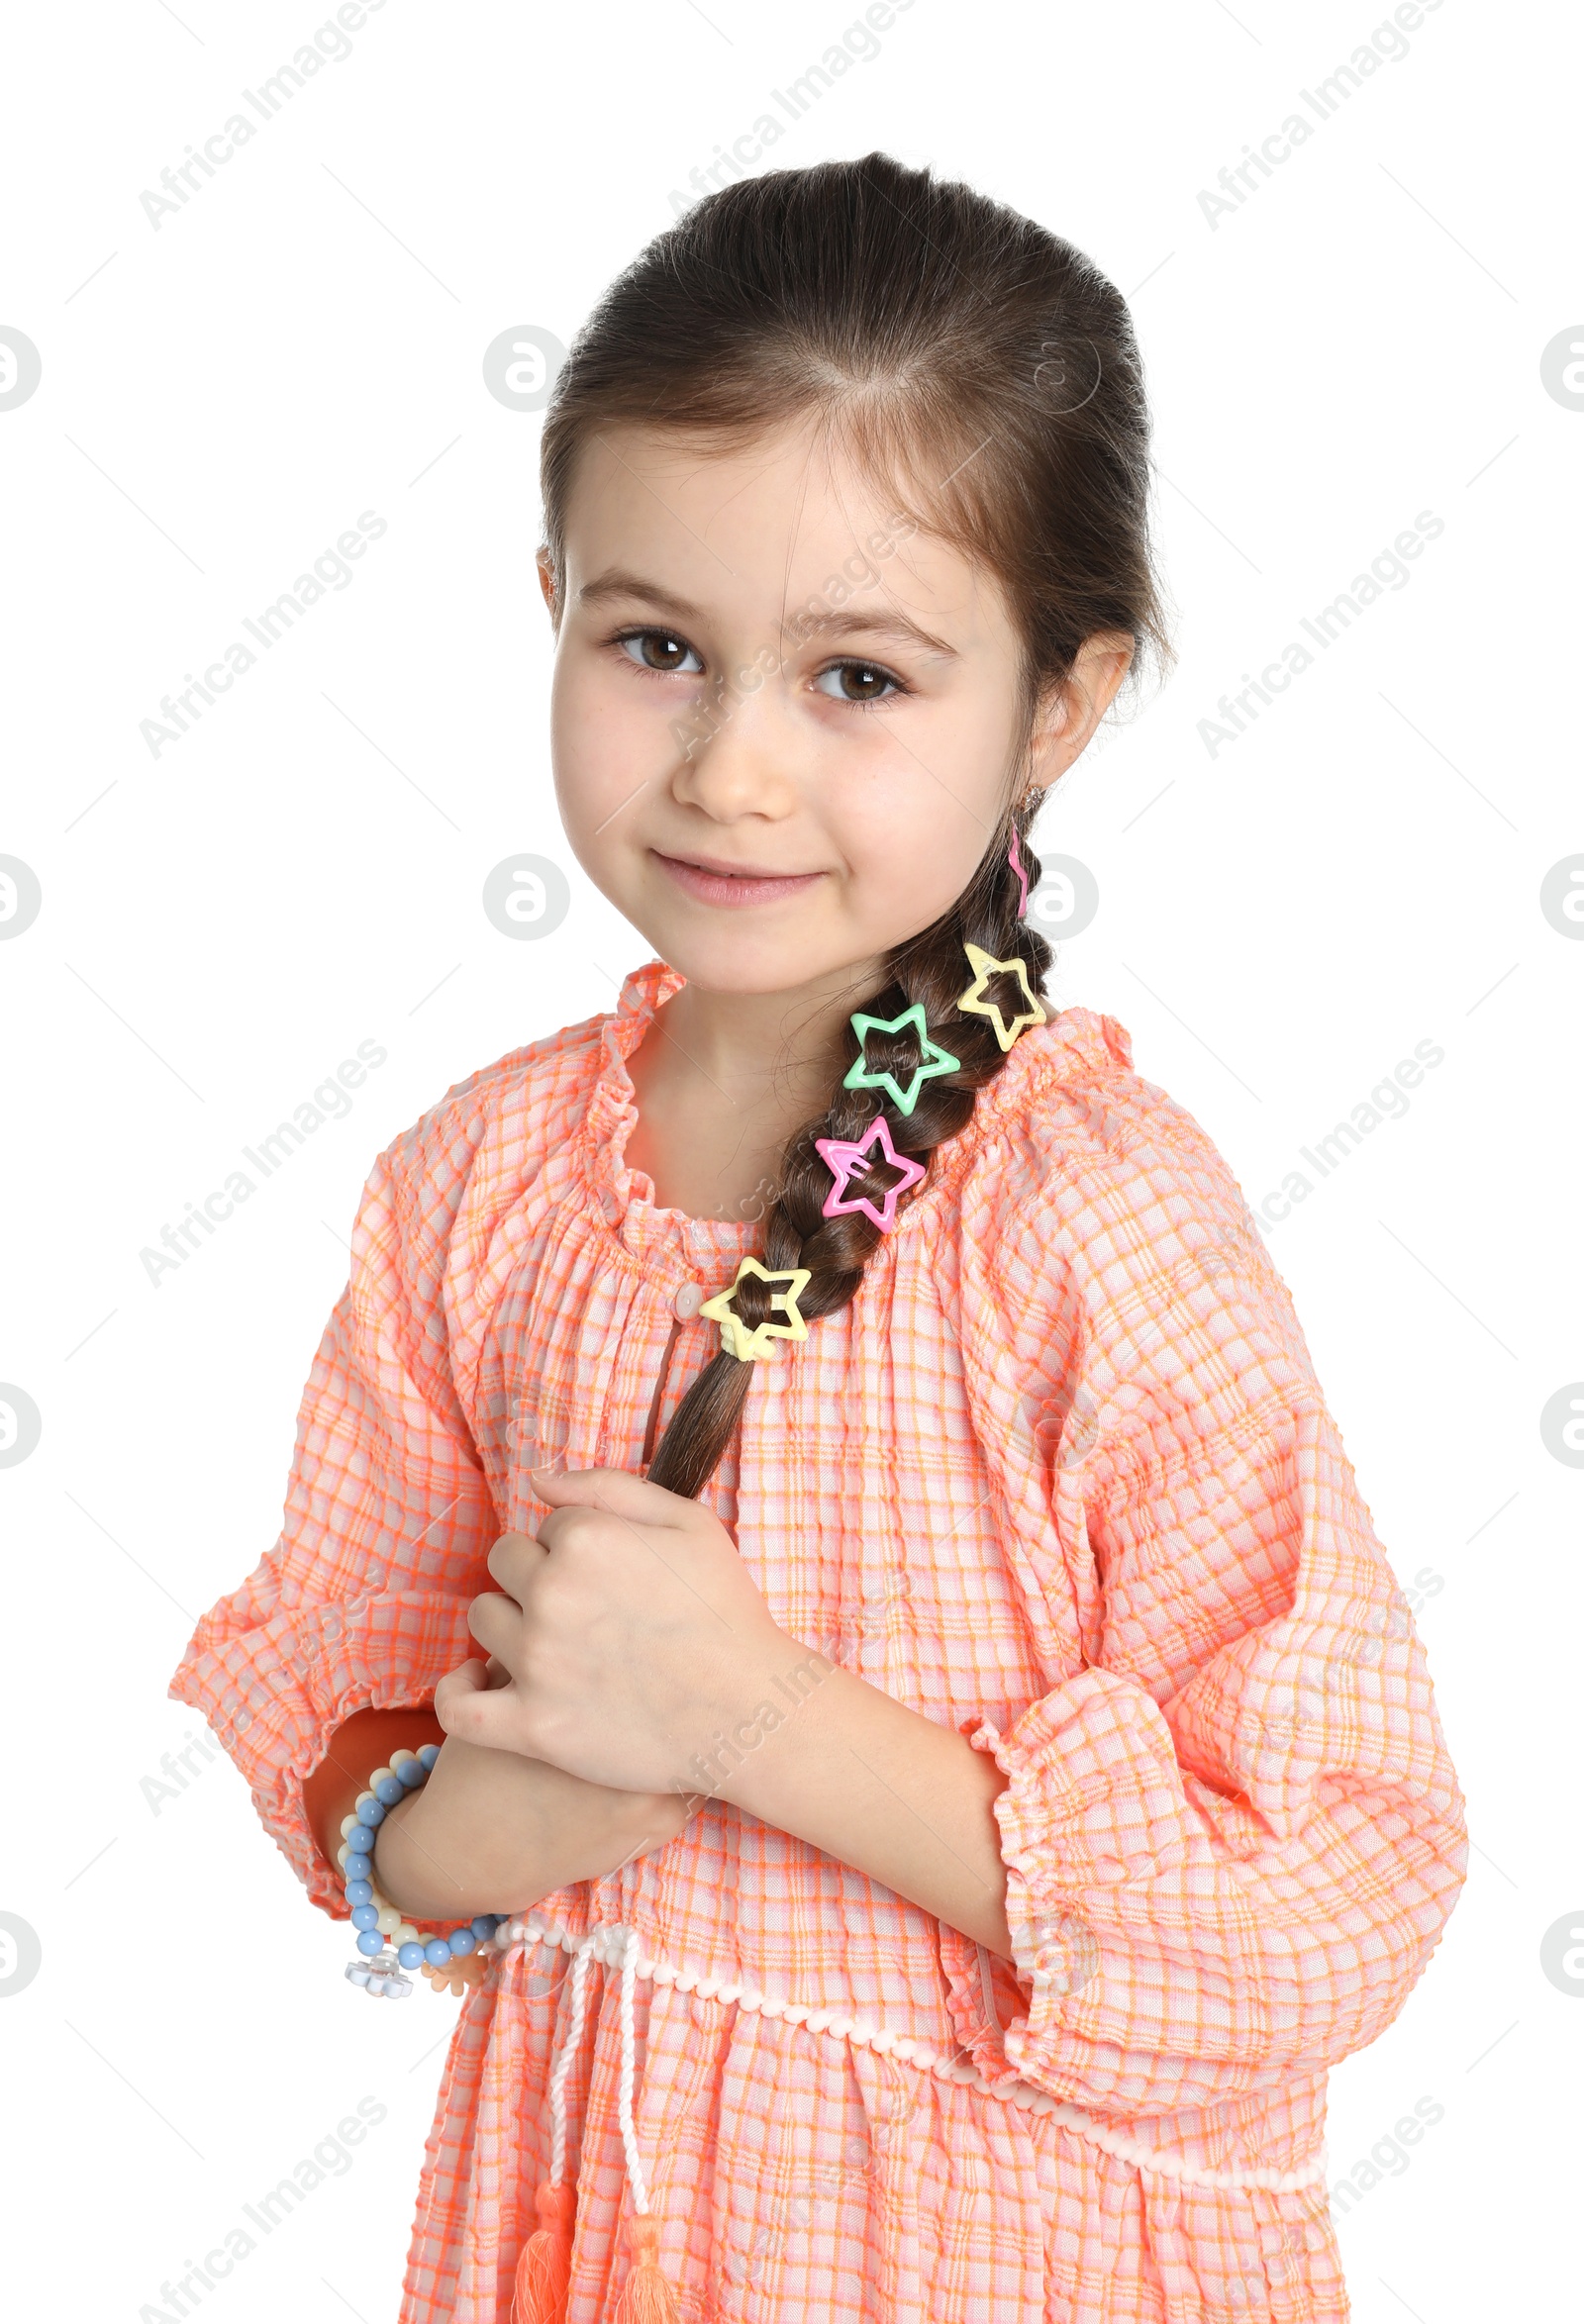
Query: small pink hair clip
{"points": [[1015, 860], [845, 1158]]}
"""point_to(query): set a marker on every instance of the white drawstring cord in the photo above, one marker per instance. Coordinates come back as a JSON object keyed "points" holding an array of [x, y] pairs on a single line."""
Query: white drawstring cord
{"points": [[634, 2171], [565, 2051]]}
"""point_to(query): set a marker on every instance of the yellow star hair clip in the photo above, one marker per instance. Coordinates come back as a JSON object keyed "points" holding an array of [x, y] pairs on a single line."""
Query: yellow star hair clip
{"points": [[736, 1335], [984, 968]]}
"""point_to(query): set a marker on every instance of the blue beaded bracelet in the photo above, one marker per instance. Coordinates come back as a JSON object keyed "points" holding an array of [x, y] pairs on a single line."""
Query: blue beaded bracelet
{"points": [[373, 1916]]}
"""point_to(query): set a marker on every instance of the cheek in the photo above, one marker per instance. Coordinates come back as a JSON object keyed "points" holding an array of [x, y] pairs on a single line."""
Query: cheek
{"points": [[928, 872], [924, 816], [574, 705], [607, 733]]}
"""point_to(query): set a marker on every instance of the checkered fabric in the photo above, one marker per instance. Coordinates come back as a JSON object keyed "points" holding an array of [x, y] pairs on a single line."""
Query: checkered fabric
{"points": [[1061, 1477]]}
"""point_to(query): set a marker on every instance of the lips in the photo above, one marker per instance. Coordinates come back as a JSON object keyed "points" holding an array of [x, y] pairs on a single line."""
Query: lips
{"points": [[710, 885]]}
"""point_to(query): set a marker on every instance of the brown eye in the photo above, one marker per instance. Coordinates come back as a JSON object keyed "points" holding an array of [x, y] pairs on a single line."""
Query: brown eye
{"points": [[660, 649], [858, 682]]}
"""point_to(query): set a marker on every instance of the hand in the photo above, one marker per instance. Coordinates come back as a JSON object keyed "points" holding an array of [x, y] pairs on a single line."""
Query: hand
{"points": [[633, 1633]]}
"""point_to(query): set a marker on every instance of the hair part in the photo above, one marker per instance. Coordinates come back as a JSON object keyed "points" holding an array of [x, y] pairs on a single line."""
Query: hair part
{"points": [[987, 373]]}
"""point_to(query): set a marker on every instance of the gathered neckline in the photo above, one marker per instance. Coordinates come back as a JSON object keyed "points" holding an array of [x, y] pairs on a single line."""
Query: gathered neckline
{"points": [[626, 1195]]}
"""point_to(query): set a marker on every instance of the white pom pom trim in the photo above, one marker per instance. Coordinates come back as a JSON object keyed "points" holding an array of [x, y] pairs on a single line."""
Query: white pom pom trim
{"points": [[610, 1944]]}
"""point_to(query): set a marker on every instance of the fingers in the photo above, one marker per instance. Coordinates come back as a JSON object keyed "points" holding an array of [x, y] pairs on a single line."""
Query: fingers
{"points": [[512, 1560], [497, 1624], [614, 1490]]}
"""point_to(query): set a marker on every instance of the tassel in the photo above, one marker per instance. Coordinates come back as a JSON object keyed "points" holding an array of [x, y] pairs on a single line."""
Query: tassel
{"points": [[647, 2296], [544, 2264]]}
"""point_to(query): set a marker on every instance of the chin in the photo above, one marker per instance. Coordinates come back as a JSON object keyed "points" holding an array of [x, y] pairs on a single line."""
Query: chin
{"points": [[727, 964]]}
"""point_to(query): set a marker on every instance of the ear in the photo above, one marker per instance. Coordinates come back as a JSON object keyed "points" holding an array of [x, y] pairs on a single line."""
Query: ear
{"points": [[546, 583], [1071, 712]]}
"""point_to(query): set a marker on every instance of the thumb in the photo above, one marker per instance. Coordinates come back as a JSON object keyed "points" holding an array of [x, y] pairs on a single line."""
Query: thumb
{"points": [[472, 1710], [470, 1677]]}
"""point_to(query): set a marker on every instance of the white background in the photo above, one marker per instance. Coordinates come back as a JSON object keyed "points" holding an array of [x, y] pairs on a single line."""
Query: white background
{"points": [[1358, 342]]}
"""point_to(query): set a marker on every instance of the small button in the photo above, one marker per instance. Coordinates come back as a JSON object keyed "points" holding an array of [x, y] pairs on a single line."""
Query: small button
{"points": [[687, 1303]]}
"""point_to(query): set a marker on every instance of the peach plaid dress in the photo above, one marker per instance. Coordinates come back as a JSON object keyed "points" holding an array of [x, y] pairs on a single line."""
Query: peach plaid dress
{"points": [[1060, 1477]]}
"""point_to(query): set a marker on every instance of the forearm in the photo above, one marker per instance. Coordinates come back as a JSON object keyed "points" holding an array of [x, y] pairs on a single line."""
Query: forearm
{"points": [[492, 1831], [892, 1793]]}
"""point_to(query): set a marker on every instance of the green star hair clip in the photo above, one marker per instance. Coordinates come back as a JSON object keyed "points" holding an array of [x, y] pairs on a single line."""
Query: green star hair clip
{"points": [[936, 1059], [972, 1001], [736, 1336]]}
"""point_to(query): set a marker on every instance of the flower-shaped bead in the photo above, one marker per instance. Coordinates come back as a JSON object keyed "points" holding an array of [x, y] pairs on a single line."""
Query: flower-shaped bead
{"points": [[458, 1975]]}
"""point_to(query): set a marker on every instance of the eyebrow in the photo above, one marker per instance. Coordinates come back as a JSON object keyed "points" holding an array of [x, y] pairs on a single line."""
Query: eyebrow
{"points": [[837, 622]]}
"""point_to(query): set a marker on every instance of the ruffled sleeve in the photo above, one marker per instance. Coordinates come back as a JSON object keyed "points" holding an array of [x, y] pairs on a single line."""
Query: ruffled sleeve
{"points": [[1233, 1838], [388, 1520]]}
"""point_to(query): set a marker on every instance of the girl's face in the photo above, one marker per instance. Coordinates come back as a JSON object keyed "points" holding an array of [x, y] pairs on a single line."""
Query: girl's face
{"points": [[783, 719]]}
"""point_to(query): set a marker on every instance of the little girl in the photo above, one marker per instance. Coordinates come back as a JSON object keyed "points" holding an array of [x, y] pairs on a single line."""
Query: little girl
{"points": [[935, 1763]]}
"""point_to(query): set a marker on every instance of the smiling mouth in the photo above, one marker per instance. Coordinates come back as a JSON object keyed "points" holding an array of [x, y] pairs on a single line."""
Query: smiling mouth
{"points": [[713, 883], [729, 871]]}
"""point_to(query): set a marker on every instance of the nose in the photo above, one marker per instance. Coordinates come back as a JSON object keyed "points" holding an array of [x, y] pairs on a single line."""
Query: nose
{"points": [[738, 751]]}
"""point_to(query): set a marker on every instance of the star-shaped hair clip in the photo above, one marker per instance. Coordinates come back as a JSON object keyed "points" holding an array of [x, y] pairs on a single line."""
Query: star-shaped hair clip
{"points": [[736, 1336], [846, 1159], [984, 968], [936, 1059]]}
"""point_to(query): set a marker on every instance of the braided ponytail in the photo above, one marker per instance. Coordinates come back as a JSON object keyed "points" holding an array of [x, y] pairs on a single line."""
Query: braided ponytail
{"points": [[946, 338], [930, 969]]}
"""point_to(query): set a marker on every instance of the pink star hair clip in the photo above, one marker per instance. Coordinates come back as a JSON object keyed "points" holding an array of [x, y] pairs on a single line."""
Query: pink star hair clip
{"points": [[846, 1159]]}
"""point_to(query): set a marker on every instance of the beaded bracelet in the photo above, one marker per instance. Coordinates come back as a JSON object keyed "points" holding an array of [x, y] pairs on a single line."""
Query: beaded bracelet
{"points": [[375, 1918]]}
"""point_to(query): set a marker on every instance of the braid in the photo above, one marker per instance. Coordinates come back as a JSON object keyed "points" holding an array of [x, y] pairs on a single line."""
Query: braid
{"points": [[930, 968]]}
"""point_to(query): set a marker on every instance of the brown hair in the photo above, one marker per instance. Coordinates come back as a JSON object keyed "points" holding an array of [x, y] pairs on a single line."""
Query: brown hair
{"points": [[961, 347]]}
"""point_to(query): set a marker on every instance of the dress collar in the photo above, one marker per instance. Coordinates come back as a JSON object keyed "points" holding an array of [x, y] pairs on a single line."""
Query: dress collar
{"points": [[627, 1197], [1075, 1042]]}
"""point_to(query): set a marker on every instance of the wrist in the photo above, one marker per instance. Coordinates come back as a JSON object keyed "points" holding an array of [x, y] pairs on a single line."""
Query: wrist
{"points": [[405, 1867], [745, 1756], [455, 1958]]}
